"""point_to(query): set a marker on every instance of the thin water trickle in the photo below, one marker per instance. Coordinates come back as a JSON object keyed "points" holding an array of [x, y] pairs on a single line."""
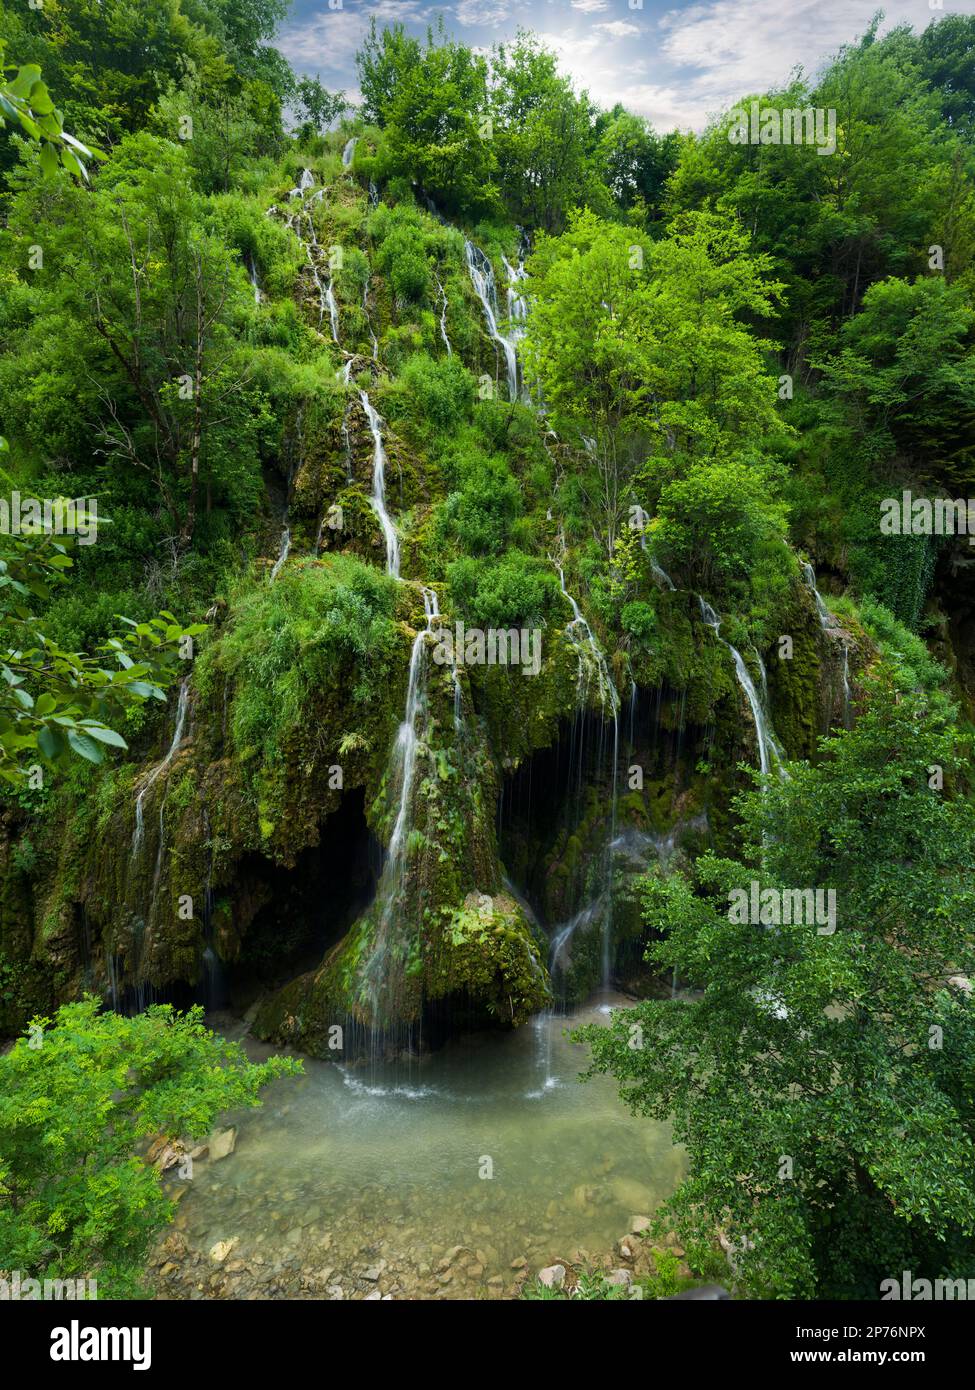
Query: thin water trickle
{"points": [[482, 278], [443, 319], [348, 152], [378, 498], [769, 748], [182, 703]]}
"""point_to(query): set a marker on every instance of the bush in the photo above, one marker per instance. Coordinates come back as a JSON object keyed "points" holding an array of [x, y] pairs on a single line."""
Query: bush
{"points": [[76, 1097], [516, 591]]}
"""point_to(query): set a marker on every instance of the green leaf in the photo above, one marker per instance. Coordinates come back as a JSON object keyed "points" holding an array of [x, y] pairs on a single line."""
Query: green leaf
{"points": [[86, 747]]}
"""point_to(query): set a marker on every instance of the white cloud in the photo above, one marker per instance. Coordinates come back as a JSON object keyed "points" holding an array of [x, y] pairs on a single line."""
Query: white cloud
{"points": [[743, 46], [326, 44], [490, 13], [617, 28], [590, 6]]}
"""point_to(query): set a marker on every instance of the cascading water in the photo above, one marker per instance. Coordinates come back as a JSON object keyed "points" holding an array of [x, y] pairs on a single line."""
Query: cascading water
{"points": [[252, 276], [378, 498], [828, 623], [591, 660], [306, 181], [482, 278], [138, 835], [769, 748], [284, 549], [372, 332], [382, 972], [348, 152], [443, 319]]}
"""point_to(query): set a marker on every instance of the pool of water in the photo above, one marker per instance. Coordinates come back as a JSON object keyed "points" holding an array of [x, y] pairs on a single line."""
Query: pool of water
{"points": [[490, 1144]]}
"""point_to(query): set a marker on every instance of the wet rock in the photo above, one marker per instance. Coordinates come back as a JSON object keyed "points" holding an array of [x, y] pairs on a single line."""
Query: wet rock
{"points": [[626, 1248], [222, 1142], [553, 1277], [519, 1263], [639, 1223], [222, 1249]]}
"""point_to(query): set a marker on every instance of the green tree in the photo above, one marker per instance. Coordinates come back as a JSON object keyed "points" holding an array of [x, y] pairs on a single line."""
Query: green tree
{"points": [[321, 107], [78, 1095], [820, 1081], [543, 137]]}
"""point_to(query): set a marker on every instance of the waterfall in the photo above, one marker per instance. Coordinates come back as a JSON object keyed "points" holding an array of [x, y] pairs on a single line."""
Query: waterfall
{"points": [[580, 634], [282, 555], [482, 278], [590, 656], [828, 622], [138, 834], [768, 744], [365, 310], [378, 498], [348, 152], [252, 276], [378, 974], [826, 618], [306, 181], [373, 194], [285, 547], [443, 319]]}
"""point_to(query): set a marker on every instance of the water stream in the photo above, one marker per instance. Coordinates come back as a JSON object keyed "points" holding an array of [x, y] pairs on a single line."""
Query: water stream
{"points": [[378, 498], [769, 748], [482, 278], [382, 971]]}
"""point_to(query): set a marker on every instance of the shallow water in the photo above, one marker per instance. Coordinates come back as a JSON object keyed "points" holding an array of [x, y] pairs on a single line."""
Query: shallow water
{"points": [[347, 1168]]}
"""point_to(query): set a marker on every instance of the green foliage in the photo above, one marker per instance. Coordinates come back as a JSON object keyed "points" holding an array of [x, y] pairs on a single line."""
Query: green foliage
{"points": [[515, 591], [77, 1095], [321, 630], [845, 1052]]}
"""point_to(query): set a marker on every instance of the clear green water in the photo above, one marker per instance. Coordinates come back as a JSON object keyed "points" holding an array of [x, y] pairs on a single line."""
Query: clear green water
{"points": [[348, 1167]]}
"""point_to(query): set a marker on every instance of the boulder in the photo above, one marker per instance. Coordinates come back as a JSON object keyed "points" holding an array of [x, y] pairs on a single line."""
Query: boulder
{"points": [[553, 1277]]}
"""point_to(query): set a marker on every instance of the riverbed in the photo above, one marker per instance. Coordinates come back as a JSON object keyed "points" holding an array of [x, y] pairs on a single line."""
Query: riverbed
{"points": [[447, 1177]]}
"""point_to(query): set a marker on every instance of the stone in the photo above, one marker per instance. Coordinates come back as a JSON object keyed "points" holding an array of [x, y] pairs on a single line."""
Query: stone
{"points": [[619, 1277], [222, 1249], [222, 1142], [519, 1263], [639, 1223], [553, 1277]]}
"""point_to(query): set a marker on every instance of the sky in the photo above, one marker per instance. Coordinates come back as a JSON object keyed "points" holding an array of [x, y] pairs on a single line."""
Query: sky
{"points": [[674, 63]]}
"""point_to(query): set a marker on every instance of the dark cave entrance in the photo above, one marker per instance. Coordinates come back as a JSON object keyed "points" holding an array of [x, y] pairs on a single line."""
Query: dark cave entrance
{"points": [[571, 859], [306, 909]]}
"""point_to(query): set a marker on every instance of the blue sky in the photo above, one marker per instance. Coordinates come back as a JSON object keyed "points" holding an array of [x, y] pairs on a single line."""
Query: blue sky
{"points": [[673, 61]]}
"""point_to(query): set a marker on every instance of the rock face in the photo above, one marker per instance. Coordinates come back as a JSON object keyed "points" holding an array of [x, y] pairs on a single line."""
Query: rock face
{"points": [[267, 839], [222, 1142]]}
